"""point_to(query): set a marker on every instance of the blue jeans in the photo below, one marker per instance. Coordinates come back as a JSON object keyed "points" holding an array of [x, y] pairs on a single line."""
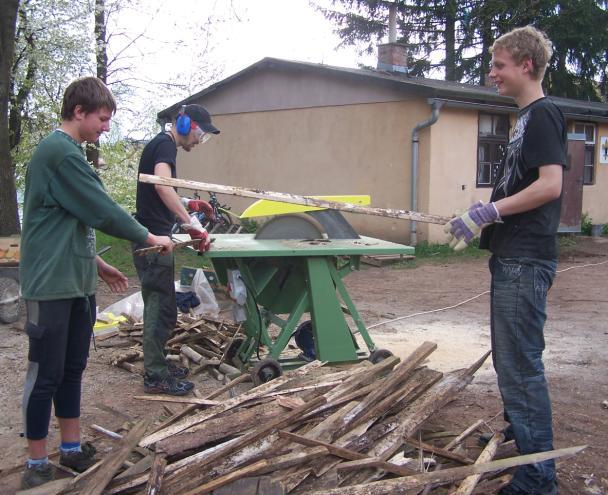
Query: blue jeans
{"points": [[518, 314]]}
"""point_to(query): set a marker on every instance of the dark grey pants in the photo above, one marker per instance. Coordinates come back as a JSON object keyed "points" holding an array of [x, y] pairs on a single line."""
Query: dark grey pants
{"points": [[59, 334], [156, 274]]}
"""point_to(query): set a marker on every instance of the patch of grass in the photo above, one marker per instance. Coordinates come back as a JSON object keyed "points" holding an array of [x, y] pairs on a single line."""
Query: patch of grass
{"points": [[442, 253], [120, 255]]}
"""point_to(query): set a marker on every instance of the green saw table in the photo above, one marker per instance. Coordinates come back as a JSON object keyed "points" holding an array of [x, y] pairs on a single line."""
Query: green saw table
{"points": [[287, 278]]}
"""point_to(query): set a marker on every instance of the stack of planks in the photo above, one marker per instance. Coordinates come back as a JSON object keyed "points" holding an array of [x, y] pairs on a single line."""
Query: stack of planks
{"points": [[315, 430], [199, 343]]}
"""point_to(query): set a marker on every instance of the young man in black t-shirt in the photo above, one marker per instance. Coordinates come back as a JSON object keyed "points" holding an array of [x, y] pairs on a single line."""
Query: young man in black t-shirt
{"points": [[157, 208], [519, 227]]}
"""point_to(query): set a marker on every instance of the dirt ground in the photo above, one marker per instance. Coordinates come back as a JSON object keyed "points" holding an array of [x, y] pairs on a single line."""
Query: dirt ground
{"points": [[576, 359]]}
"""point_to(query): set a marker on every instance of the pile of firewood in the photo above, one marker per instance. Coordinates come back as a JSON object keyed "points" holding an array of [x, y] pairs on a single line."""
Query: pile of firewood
{"points": [[315, 430], [197, 342]]}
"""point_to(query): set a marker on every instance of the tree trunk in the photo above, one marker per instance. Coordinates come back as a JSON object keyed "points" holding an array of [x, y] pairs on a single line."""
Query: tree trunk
{"points": [[450, 40], [101, 57], [9, 216]]}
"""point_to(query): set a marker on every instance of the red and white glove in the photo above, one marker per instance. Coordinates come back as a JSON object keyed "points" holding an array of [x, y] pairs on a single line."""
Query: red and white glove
{"points": [[196, 231], [198, 205]]}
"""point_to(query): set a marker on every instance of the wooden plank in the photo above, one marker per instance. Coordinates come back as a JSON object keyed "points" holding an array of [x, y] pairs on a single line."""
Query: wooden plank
{"points": [[470, 482], [438, 451], [294, 199], [348, 454], [386, 387], [179, 400], [229, 404], [156, 476], [96, 483], [474, 427], [230, 447], [400, 486]]}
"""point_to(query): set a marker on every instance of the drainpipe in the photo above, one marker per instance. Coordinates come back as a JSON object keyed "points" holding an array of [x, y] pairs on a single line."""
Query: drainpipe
{"points": [[435, 106]]}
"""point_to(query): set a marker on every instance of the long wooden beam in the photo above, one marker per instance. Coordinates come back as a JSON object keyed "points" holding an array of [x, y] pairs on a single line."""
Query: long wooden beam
{"points": [[293, 199]]}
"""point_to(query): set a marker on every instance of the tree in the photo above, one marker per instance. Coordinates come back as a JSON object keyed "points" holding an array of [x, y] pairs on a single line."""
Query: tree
{"points": [[464, 30], [9, 217]]}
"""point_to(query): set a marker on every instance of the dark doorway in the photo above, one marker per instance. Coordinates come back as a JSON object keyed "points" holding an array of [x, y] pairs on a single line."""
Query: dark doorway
{"points": [[572, 193]]}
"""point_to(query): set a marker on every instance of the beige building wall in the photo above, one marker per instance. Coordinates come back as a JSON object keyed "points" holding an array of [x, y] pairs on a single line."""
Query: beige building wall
{"points": [[349, 149], [595, 202], [453, 167]]}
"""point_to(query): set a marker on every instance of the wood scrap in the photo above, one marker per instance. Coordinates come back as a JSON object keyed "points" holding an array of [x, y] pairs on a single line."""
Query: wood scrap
{"points": [[317, 429]]}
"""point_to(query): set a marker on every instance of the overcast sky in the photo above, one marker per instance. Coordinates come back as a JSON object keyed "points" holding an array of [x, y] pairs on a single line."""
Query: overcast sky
{"points": [[238, 34]]}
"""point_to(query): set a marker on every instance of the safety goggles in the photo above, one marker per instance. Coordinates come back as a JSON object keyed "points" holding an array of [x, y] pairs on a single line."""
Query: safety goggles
{"points": [[201, 135]]}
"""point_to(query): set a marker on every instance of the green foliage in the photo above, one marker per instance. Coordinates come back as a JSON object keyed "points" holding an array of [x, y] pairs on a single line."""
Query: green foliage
{"points": [[119, 172], [586, 224], [464, 30], [250, 226]]}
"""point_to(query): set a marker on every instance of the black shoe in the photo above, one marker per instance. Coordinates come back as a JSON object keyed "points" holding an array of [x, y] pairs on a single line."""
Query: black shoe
{"points": [[178, 372], [79, 461], [510, 489], [168, 385], [37, 475], [484, 438]]}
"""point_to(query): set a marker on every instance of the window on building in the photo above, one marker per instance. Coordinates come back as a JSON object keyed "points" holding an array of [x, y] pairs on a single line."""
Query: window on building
{"points": [[492, 139], [588, 130]]}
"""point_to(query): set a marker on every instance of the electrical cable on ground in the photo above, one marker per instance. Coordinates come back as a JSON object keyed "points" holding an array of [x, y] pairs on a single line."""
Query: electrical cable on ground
{"points": [[468, 300]]}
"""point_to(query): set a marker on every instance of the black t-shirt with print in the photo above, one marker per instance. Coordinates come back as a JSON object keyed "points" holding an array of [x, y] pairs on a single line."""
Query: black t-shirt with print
{"points": [[151, 212], [538, 138]]}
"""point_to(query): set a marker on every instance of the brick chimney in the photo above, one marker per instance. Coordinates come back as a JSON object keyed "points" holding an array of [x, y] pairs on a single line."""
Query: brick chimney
{"points": [[392, 57]]}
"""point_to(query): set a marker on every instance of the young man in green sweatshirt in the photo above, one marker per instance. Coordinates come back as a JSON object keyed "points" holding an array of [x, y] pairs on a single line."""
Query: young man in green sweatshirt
{"points": [[64, 202]]}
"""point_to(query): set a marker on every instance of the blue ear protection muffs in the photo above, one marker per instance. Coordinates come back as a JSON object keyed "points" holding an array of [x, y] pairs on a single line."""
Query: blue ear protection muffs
{"points": [[182, 125]]}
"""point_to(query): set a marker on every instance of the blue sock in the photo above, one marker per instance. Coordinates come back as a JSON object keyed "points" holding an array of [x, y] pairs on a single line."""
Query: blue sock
{"points": [[37, 462], [70, 447]]}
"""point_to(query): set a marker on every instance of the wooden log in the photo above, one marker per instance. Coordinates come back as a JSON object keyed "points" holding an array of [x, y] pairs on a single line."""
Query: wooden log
{"points": [[400, 486], [156, 475], [470, 482], [130, 367], [191, 354], [293, 199], [96, 483], [229, 404]]}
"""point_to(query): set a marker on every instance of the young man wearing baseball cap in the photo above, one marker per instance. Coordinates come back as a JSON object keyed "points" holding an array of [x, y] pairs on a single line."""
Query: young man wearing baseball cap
{"points": [[157, 208]]}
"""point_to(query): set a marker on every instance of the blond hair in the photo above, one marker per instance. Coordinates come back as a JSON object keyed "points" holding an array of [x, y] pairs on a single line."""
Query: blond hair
{"points": [[527, 42]]}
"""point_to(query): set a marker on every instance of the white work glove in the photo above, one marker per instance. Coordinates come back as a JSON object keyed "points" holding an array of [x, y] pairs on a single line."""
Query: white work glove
{"points": [[196, 231]]}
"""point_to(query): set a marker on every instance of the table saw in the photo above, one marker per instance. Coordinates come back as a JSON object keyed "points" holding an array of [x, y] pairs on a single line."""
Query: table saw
{"points": [[292, 271]]}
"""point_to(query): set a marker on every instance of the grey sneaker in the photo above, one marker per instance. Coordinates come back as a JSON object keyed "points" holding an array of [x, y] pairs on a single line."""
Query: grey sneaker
{"points": [[178, 372], [168, 385], [37, 475], [79, 461]]}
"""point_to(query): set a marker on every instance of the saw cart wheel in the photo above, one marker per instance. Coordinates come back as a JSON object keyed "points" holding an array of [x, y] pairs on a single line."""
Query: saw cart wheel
{"points": [[9, 300], [265, 370], [379, 355], [234, 347]]}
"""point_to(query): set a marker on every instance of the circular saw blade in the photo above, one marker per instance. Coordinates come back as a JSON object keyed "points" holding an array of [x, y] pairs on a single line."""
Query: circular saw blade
{"points": [[291, 226]]}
